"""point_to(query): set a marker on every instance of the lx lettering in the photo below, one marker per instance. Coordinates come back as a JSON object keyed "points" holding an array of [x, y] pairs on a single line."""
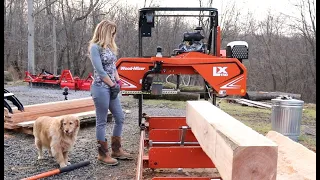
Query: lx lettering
{"points": [[220, 71]]}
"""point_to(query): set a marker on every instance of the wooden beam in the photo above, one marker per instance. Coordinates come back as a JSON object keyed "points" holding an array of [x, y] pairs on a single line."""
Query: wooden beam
{"points": [[53, 109], [239, 152], [295, 161], [257, 103], [51, 104], [29, 116], [82, 115]]}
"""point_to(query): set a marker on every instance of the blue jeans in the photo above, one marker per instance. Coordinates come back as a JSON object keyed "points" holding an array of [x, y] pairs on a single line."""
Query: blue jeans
{"points": [[102, 102]]}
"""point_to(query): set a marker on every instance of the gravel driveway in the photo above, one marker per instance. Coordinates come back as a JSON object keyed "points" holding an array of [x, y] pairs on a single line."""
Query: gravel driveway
{"points": [[20, 159]]}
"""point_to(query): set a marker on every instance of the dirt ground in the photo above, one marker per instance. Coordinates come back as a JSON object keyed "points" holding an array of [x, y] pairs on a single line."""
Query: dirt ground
{"points": [[20, 158]]}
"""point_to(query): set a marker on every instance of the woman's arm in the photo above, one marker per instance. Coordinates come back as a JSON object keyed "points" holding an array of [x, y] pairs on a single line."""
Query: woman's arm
{"points": [[116, 75], [96, 62]]}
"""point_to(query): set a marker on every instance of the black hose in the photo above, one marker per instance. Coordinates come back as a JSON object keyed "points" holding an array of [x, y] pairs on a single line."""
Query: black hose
{"points": [[74, 166]]}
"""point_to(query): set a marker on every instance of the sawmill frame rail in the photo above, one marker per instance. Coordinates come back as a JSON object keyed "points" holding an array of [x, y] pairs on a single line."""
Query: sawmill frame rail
{"points": [[170, 144]]}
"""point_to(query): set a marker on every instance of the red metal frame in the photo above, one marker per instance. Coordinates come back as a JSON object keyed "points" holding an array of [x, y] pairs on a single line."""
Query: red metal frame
{"points": [[168, 122], [66, 79], [178, 157], [170, 135], [233, 82], [168, 129]]}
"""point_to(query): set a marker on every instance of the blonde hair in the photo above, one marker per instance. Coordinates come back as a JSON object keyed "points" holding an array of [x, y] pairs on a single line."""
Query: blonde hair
{"points": [[104, 36]]}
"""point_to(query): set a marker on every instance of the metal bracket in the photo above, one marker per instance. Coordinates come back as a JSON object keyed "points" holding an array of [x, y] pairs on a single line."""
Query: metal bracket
{"points": [[183, 135]]}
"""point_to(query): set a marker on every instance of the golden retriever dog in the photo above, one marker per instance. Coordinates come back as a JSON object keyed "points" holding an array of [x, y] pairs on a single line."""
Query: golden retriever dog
{"points": [[58, 135]]}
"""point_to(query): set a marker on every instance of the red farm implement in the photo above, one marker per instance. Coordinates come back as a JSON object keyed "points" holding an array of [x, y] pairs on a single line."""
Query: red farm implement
{"points": [[66, 79]]}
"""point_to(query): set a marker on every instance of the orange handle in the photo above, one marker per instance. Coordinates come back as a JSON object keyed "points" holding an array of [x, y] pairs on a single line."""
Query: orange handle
{"points": [[43, 175], [57, 171]]}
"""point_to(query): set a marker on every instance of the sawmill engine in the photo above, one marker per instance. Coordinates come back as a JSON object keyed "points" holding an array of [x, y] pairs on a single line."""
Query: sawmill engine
{"points": [[192, 42]]}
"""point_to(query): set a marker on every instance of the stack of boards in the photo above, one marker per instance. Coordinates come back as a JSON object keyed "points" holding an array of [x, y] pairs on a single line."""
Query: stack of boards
{"points": [[83, 108]]}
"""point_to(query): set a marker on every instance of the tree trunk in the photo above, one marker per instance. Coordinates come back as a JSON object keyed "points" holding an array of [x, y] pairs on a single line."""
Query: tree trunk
{"points": [[54, 41], [30, 37]]}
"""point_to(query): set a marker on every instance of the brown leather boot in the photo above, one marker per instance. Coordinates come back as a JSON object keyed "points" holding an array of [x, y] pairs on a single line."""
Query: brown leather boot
{"points": [[117, 151], [104, 156]]}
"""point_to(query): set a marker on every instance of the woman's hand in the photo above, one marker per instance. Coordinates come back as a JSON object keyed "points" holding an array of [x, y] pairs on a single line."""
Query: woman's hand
{"points": [[114, 91], [119, 82]]}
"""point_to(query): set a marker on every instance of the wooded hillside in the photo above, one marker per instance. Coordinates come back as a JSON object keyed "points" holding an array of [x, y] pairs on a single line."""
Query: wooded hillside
{"points": [[282, 49]]}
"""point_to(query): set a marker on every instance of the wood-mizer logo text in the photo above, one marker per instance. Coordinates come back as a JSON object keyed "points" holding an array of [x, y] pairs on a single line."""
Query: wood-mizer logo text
{"points": [[132, 68]]}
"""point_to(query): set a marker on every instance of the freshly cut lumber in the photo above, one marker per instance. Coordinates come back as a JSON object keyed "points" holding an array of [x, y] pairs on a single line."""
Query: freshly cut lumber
{"points": [[82, 115], [85, 117], [262, 95], [249, 103], [239, 152], [10, 126], [31, 116], [58, 108], [257, 103], [295, 161], [55, 106]]}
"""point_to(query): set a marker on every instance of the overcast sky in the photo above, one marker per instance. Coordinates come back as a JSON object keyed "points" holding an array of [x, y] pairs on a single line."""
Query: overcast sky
{"points": [[258, 7]]}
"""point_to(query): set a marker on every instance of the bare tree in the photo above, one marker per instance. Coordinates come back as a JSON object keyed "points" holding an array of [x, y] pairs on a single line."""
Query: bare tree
{"points": [[282, 48], [30, 37], [51, 11]]}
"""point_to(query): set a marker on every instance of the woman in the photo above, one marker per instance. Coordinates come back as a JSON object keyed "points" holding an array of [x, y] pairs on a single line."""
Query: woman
{"points": [[104, 90]]}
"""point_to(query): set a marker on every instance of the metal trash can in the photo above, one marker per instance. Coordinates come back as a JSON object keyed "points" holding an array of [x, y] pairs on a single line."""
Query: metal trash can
{"points": [[286, 116]]}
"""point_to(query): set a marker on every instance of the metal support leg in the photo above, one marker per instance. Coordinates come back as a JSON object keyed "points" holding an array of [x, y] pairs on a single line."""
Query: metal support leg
{"points": [[183, 134], [140, 108], [205, 96], [178, 81], [214, 99]]}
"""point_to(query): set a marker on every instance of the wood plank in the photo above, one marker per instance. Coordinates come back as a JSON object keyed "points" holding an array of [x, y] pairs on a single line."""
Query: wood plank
{"points": [[10, 126], [28, 117], [295, 162], [238, 151], [52, 109], [49, 104], [55, 107], [82, 115], [260, 95], [248, 104], [257, 103], [245, 103], [26, 124], [25, 130]]}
